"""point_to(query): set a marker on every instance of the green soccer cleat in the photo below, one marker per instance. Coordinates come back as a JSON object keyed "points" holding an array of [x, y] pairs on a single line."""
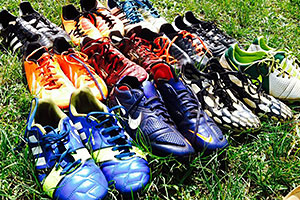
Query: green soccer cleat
{"points": [[279, 77]]}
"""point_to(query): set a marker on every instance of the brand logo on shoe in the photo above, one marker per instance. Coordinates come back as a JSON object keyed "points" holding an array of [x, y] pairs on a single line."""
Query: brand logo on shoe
{"points": [[206, 139], [133, 123]]}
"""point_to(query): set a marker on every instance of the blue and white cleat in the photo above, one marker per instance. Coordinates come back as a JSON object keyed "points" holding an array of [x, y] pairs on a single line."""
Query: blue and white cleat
{"points": [[146, 111], [64, 166], [123, 165]]}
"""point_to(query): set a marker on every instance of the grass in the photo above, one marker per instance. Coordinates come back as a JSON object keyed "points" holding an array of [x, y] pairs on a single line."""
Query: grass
{"points": [[257, 165]]}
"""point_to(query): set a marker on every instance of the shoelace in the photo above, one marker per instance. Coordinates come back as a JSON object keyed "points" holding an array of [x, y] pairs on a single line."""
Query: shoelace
{"points": [[46, 73], [158, 107], [140, 45], [109, 20], [245, 79], [79, 57], [78, 32], [59, 139], [109, 123], [104, 57], [162, 49], [273, 64], [210, 26], [194, 40], [190, 101], [218, 89], [45, 24], [289, 56], [155, 103], [130, 9], [148, 7], [103, 25]]}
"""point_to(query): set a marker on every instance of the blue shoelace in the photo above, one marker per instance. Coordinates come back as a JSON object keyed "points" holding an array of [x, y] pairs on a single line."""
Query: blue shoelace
{"points": [[93, 77], [131, 11], [109, 124], [52, 138]]}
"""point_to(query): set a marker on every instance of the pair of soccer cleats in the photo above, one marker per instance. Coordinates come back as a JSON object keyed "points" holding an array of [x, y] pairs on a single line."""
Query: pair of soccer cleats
{"points": [[31, 26], [216, 40], [56, 74], [277, 70], [79, 156], [166, 116], [231, 99]]}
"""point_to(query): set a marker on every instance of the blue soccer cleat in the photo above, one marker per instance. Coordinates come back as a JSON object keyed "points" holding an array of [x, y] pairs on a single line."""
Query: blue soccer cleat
{"points": [[64, 166], [186, 111], [146, 111], [123, 165]]}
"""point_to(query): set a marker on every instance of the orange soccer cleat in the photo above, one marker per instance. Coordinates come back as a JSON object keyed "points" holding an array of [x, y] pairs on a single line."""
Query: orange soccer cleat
{"points": [[45, 77], [77, 25], [106, 22], [76, 68]]}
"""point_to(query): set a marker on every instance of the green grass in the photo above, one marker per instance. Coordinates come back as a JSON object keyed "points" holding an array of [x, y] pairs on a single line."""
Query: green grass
{"points": [[260, 165]]}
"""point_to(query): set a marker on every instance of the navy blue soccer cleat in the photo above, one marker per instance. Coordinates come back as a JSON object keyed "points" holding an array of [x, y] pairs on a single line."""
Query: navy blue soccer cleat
{"points": [[123, 165], [146, 111], [64, 166], [186, 111]]}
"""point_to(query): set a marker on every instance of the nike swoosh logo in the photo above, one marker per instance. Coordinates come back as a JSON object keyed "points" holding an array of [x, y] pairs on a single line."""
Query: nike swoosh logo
{"points": [[133, 123], [206, 139]]}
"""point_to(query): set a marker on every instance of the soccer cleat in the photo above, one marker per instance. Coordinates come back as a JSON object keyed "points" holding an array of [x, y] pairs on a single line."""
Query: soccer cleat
{"points": [[212, 43], [249, 91], [64, 166], [163, 47], [78, 25], [189, 43], [218, 101], [279, 77], [137, 50], [45, 77], [127, 11], [17, 33], [110, 63], [123, 165], [150, 14], [185, 109], [105, 20], [146, 112], [39, 22], [259, 44], [75, 67], [208, 28]]}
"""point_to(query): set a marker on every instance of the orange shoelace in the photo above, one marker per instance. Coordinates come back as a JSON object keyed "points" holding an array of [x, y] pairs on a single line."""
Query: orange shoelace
{"points": [[162, 49], [142, 47], [193, 39], [44, 66]]}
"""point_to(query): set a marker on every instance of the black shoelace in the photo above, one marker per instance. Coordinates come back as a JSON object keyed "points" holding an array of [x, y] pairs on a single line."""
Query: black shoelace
{"points": [[246, 81], [156, 105], [213, 78]]}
